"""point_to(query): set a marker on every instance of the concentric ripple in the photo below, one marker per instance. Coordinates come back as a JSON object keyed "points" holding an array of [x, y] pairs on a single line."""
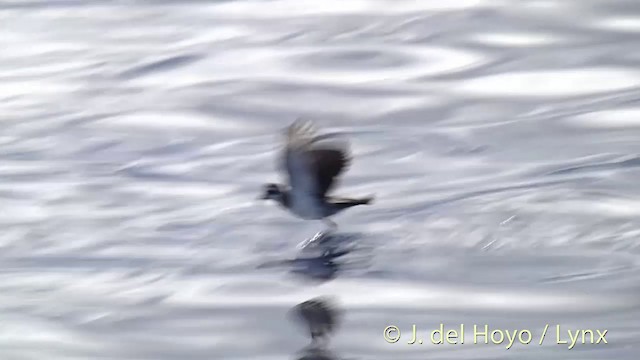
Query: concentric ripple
{"points": [[333, 65]]}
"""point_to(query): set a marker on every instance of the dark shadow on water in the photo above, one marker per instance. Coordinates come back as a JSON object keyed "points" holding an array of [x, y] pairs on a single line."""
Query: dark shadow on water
{"points": [[324, 257]]}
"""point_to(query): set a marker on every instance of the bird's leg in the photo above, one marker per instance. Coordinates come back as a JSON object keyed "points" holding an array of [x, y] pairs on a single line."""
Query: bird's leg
{"points": [[332, 225], [320, 234]]}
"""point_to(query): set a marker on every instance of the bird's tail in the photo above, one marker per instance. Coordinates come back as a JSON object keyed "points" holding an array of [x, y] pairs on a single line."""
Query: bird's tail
{"points": [[364, 201], [346, 203]]}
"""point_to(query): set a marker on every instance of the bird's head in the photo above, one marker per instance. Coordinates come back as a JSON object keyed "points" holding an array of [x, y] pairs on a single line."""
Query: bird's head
{"points": [[272, 192]]}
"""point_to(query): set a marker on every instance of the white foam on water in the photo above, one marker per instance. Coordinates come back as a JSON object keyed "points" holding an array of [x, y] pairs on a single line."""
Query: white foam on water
{"points": [[619, 118], [620, 23], [549, 83], [516, 39]]}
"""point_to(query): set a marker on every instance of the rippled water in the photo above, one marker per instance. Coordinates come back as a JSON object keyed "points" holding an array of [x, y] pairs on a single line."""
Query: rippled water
{"points": [[500, 137]]}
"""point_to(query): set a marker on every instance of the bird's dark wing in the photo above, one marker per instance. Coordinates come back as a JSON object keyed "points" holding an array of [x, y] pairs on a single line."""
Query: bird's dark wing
{"points": [[313, 162], [328, 164], [297, 161]]}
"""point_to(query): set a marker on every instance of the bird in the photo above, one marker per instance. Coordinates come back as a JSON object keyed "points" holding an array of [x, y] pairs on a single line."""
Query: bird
{"points": [[312, 163]]}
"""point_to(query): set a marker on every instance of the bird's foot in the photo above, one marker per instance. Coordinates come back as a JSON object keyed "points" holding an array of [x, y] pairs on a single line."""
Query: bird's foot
{"points": [[318, 236]]}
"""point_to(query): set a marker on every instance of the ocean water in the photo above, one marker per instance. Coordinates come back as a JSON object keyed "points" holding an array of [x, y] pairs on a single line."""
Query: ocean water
{"points": [[500, 138]]}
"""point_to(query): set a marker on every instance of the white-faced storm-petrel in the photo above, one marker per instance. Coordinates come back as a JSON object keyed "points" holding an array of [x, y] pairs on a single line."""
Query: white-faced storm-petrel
{"points": [[312, 163]]}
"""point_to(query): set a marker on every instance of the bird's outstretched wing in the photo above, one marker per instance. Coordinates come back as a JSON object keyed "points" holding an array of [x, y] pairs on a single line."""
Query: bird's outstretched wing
{"points": [[313, 162]]}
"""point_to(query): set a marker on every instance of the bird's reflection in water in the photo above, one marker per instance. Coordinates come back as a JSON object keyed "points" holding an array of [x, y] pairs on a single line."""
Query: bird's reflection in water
{"points": [[322, 257], [316, 354], [319, 317]]}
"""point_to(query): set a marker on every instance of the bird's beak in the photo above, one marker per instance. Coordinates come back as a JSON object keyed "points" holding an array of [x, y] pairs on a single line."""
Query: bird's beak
{"points": [[261, 197]]}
